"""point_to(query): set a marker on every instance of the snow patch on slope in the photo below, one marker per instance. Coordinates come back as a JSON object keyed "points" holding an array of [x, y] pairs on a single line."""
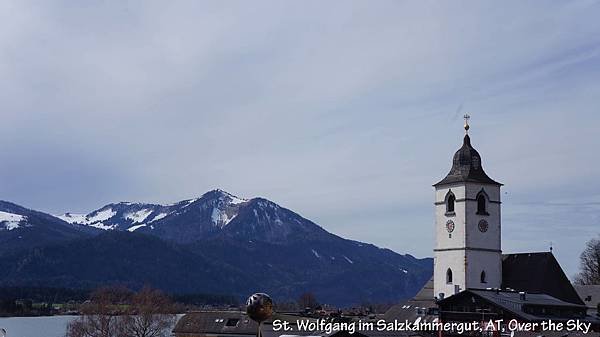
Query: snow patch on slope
{"points": [[191, 201], [220, 218], [233, 200], [101, 216], [139, 216], [93, 221], [102, 226], [72, 218], [133, 228], [11, 221], [158, 217], [236, 201]]}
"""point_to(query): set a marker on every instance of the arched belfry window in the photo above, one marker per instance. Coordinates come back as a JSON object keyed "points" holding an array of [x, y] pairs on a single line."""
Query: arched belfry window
{"points": [[482, 203], [449, 275], [483, 279], [450, 200]]}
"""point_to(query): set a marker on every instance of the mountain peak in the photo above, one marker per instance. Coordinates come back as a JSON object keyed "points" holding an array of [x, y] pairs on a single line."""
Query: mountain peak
{"points": [[221, 194], [221, 207]]}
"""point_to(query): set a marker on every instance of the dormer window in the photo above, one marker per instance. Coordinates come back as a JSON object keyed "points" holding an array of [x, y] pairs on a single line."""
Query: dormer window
{"points": [[482, 203], [450, 200]]}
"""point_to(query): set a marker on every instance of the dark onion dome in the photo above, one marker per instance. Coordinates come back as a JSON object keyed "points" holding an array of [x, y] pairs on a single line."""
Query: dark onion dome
{"points": [[466, 167]]}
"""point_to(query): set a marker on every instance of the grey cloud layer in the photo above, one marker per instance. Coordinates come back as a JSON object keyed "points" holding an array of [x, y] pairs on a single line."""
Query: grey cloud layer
{"points": [[346, 112]]}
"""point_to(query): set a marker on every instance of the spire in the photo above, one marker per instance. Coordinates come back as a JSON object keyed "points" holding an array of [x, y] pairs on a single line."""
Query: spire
{"points": [[466, 164]]}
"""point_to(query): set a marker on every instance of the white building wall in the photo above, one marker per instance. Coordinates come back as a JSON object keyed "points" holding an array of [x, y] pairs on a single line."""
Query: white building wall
{"points": [[475, 238], [467, 251], [455, 260], [443, 239], [478, 261]]}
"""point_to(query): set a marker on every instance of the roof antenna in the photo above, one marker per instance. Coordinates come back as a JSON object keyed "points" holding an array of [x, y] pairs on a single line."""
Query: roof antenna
{"points": [[466, 117]]}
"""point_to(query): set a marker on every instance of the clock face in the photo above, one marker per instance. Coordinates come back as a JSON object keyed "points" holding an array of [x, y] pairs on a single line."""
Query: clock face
{"points": [[483, 226], [450, 226]]}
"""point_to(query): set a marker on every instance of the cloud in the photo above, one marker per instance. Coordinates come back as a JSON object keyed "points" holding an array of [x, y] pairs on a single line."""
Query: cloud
{"points": [[344, 111]]}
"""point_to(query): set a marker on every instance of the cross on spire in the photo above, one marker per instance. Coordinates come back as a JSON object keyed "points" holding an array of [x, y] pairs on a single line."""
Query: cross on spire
{"points": [[467, 117]]}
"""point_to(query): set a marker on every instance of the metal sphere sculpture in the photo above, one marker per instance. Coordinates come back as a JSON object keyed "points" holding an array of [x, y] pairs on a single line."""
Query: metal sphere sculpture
{"points": [[259, 307]]}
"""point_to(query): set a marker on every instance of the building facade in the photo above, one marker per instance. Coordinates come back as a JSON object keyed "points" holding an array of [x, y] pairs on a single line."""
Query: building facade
{"points": [[468, 252]]}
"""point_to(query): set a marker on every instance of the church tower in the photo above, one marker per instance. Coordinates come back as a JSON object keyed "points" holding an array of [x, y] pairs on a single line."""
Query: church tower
{"points": [[467, 226]]}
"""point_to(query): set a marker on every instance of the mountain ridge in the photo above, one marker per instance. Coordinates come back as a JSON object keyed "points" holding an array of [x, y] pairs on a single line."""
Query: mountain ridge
{"points": [[216, 243], [207, 215]]}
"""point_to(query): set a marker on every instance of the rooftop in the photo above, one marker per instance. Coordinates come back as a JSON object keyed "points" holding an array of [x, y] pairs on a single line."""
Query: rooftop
{"points": [[589, 294], [466, 167], [537, 273]]}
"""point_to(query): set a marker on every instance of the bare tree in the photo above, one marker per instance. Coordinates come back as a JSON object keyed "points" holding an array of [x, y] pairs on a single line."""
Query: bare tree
{"points": [[100, 315], [589, 261], [150, 314], [112, 312]]}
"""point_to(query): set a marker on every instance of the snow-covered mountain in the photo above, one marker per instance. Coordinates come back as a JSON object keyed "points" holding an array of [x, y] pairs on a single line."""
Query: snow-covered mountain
{"points": [[10, 221], [217, 243], [22, 228], [121, 216], [216, 212], [220, 205]]}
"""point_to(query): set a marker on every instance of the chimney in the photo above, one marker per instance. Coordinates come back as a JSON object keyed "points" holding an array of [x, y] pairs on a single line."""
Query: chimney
{"points": [[456, 289], [522, 296]]}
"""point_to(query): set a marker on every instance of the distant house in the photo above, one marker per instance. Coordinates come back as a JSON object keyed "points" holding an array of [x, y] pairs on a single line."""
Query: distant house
{"points": [[237, 324], [232, 324], [215, 323], [422, 307], [590, 295], [481, 305]]}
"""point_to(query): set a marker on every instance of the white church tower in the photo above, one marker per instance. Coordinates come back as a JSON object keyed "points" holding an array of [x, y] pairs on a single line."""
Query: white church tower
{"points": [[467, 226]]}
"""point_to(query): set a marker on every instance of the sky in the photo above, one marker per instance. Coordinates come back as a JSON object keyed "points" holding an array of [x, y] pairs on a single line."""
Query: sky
{"points": [[343, 111]]}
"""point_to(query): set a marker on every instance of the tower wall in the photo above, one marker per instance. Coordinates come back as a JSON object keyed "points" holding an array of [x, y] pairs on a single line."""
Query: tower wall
{"points": [[467, 250]]}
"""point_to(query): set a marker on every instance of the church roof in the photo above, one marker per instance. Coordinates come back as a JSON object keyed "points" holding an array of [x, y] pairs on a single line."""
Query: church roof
{"points": [[589, 294], [466, 167], [537, 273], [413, 308], [520, 304], [509, 298], [426, 293]]}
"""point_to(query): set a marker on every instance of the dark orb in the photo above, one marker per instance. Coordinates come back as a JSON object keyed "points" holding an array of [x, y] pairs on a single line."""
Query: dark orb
{"points": [[259, 307]]}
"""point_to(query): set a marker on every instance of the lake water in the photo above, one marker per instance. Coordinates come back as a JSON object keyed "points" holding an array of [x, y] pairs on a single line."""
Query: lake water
{"points": [[52, 326]]}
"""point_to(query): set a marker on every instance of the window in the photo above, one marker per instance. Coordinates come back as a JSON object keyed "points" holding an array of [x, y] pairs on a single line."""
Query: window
{"points": [[450, 199], [481, 203], [232, 322], [449, 276], [483, 280]]}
